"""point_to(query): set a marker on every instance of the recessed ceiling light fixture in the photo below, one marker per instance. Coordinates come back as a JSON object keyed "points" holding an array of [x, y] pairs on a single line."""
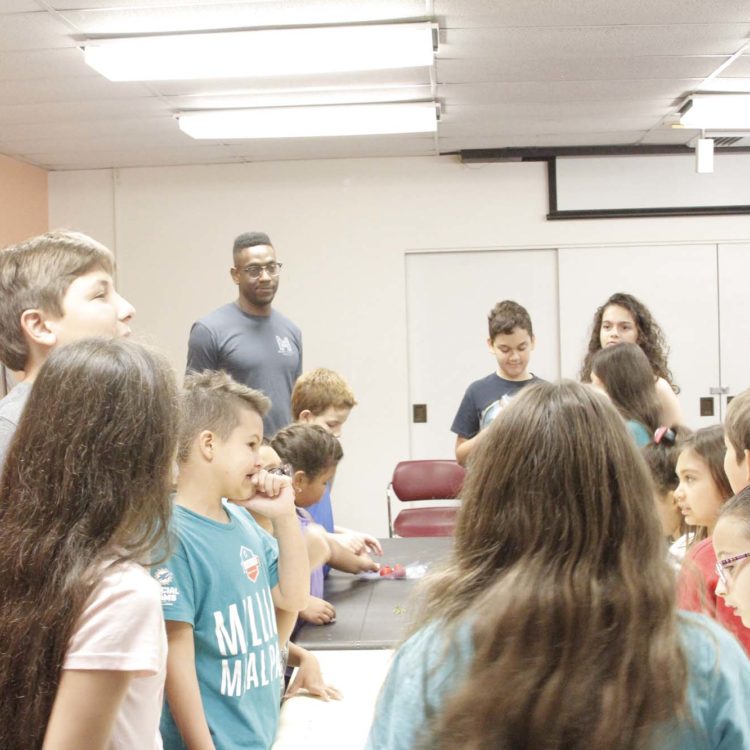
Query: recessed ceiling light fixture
{"points": [[716, 112], [265, 52], [310, 122]]}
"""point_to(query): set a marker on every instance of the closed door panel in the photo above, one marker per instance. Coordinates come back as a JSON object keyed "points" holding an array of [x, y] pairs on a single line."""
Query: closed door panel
{"points": [[734, 319], [679, 286], [448, 297]]}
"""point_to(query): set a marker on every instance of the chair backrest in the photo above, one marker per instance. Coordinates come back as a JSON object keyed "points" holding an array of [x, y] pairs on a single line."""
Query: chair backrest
{"points": [[427, 480]]}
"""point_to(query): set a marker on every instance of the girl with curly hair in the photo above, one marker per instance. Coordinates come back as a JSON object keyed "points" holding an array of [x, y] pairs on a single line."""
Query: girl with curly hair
{"points": [[623, 318]]}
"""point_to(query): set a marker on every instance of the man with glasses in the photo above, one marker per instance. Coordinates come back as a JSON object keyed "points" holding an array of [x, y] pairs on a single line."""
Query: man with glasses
{"points": [[255, 344]]}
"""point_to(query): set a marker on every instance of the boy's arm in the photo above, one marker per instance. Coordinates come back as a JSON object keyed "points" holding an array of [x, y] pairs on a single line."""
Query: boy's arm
{"points": [[357, 541], [181, 687], [464, 447], [309, 676], [274, 499]]}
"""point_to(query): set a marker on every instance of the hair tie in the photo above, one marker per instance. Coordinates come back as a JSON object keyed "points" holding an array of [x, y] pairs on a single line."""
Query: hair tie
{"points": [[664, 435]]}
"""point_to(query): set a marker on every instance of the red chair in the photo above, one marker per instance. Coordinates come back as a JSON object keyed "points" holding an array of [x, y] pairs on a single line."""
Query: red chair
{"points": [[418, 481]]}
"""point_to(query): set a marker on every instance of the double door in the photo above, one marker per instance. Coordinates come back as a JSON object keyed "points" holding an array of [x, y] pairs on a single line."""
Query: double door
{"points": [[695, 291]]}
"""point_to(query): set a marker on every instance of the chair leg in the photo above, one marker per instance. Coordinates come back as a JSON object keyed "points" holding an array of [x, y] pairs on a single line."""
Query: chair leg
{"points": [[388, 504]]}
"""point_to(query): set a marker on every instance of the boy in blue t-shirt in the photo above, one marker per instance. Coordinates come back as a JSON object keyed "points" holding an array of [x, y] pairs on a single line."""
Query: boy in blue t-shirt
{"points": [[511, 341], [226, 574]]}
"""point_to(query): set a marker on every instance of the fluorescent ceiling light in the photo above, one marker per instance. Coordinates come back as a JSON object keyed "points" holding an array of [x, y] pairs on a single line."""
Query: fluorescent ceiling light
{"points": [[266, 52], [726, 85], [308, 122], [717, 112]]}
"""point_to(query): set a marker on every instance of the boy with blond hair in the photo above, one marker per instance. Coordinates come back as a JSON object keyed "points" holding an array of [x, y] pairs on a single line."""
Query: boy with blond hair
{"points": [[737, 442], [324, 398], [226, 574], [54, 289]]}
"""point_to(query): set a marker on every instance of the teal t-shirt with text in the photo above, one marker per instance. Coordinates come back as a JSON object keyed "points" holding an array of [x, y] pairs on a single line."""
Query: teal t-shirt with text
{"points": [[219, 579]]}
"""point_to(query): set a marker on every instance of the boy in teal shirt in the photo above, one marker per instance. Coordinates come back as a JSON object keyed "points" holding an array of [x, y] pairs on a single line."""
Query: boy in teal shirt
{"points": [[226, 574]]}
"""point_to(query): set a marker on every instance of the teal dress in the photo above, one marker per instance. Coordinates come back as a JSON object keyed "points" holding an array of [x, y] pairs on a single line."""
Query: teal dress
{"points": [[640, 434]]}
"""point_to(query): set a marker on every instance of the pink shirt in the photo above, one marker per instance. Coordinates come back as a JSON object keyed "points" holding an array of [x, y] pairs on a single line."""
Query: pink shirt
{"points": [[122, 629]]}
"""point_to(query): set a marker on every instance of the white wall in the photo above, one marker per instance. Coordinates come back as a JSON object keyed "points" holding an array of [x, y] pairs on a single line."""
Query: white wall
{"points": [[342, 229]]}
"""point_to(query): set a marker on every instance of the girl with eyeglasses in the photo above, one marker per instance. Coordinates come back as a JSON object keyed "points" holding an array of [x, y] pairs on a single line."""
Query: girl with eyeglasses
{"points": [[731, 541], [554, 624]]}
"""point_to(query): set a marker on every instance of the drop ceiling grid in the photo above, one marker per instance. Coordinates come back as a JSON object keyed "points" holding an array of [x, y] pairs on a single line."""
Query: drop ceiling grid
{"points": [[507, 71]]}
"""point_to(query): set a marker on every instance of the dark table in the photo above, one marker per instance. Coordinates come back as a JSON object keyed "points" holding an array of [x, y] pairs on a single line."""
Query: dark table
{"points": [[372, 613]]}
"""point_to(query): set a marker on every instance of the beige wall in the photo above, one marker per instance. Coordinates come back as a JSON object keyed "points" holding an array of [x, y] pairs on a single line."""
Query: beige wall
{"points": [[23, 200], [342, 229]]}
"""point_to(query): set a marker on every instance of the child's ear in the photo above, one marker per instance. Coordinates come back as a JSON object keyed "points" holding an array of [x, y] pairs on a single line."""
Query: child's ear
{"points": [[533, 343], [35, 328], [299, 480], [305, 416], [206, 441], [489, 346]]}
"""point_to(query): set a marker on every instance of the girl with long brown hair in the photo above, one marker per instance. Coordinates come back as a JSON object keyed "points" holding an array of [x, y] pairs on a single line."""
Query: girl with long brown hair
{"points": [[84, 499], [624, 374], [625, 319], [554, 626]]}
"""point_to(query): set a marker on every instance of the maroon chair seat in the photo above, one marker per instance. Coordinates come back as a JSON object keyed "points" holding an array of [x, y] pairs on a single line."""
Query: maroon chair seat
{"points": [[425, 522], [424, 481]]}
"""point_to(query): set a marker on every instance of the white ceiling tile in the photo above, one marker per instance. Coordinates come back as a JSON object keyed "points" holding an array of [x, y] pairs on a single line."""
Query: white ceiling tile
{"points": [[141, 157], [33, 31], [334, 148], [332, 81], [605, 41], [76, 111], [18, 6], [588, 12], [479, 70], [565, 91], [89, 88], [21, 65], [739, 68], [451, 145]]}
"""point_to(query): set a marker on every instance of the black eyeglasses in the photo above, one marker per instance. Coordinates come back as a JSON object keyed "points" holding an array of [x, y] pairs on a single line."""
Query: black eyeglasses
{"points": [[255, 271]]}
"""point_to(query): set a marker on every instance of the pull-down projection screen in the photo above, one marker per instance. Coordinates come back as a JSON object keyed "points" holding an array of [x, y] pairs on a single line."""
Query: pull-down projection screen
{"points": [[621, 186]]}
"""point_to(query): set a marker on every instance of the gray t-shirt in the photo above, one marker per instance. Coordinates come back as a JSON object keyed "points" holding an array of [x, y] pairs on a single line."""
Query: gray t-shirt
{"points": [[11, 408], [262, 352]]}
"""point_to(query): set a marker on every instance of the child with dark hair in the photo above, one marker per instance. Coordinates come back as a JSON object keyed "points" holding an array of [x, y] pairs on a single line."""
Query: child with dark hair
{"points": [[85, 500], [703, 490], [661, 458], [625, 319], [624, 374], [511, 341]]}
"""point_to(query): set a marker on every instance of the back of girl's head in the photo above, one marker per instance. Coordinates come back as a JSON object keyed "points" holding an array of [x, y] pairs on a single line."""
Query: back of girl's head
{"points": [[708, 444], [627, 377], [308, 448], [661, 457], [560, 562], [560, 465], [95, 444], [650, 336], [86, 481]]}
